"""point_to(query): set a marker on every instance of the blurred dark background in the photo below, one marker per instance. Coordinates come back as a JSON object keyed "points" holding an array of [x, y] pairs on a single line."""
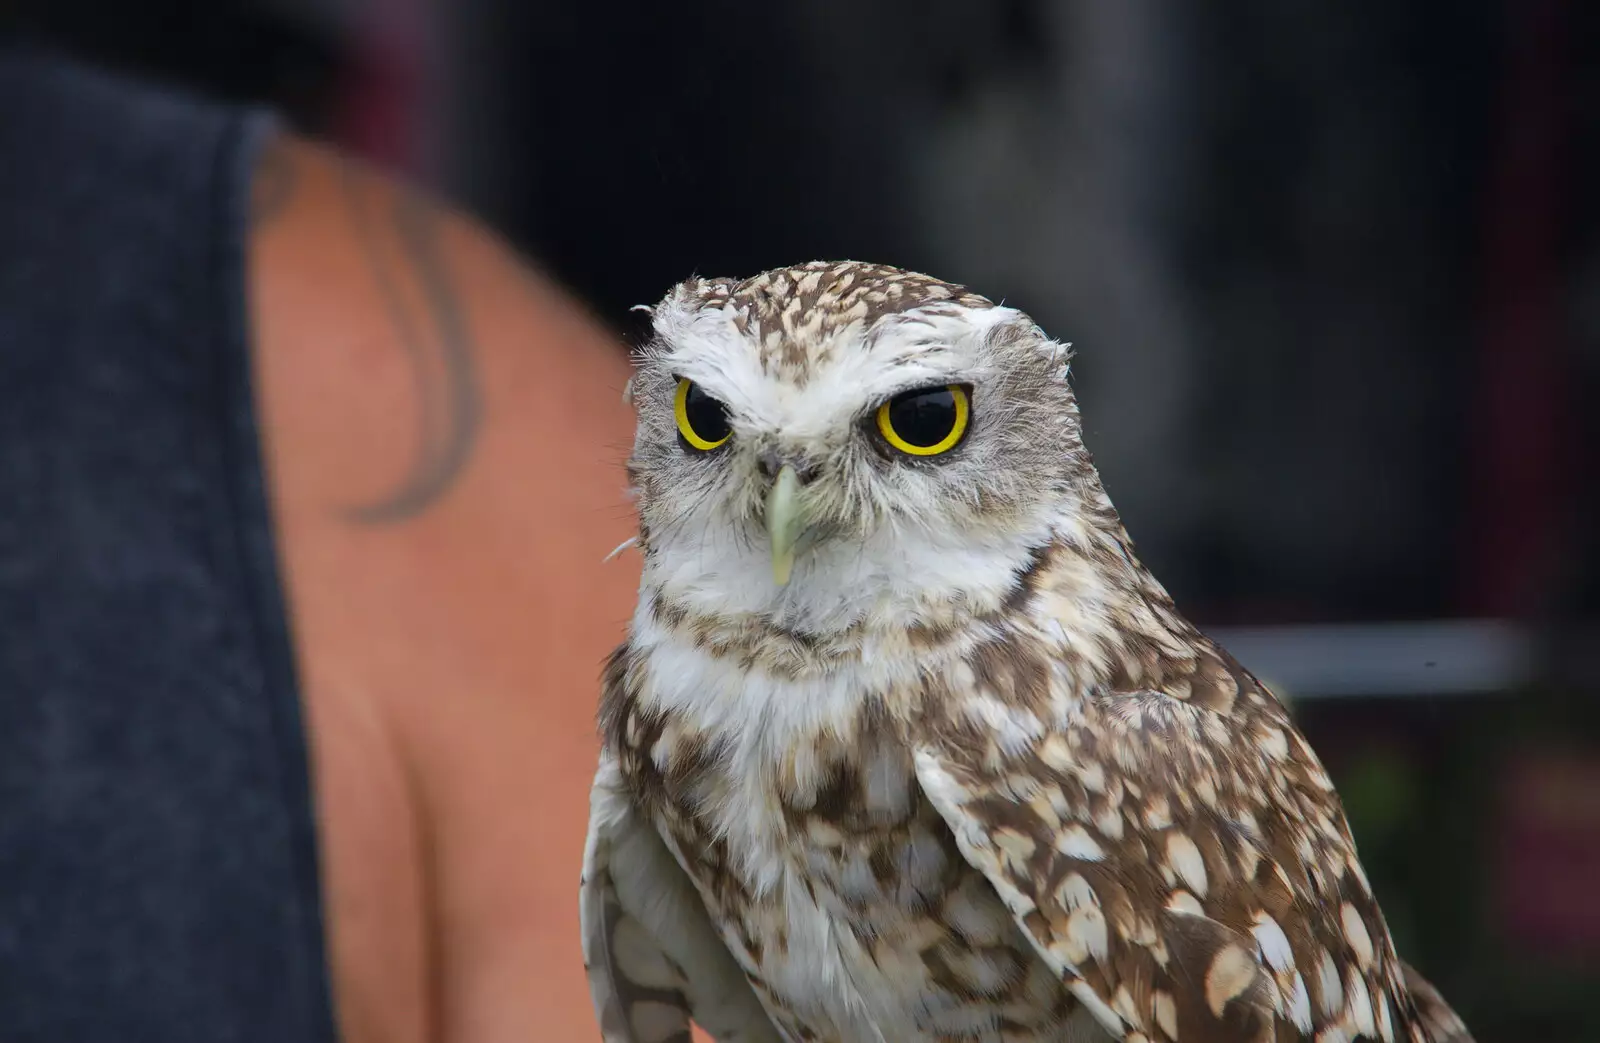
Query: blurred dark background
{"points": [[1331, 270]]}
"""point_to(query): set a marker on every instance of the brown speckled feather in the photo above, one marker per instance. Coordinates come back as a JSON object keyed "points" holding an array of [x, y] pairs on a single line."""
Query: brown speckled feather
{"points": [[1178, 849], [638, 993], [1442, 1023], [651, 954]]}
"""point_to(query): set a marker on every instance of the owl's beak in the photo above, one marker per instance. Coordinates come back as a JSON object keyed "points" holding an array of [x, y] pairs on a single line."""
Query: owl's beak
{"points": [[785, 520]]}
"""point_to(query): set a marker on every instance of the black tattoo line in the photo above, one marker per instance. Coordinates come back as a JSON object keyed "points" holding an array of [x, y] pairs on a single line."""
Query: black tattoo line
{"points": [[274, 181], [440, 347]]}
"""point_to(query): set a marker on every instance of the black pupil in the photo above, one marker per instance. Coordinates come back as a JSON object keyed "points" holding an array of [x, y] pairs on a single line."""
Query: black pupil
{"points": [[707, 417], [923, 418]]}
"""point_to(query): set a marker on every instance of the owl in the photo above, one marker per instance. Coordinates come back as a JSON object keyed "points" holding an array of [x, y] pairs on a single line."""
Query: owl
{"points": [[905, 744]]}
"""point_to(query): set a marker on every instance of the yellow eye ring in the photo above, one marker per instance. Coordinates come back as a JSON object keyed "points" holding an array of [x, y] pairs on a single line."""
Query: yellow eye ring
{"points": [[921, 409], [702, 420]]}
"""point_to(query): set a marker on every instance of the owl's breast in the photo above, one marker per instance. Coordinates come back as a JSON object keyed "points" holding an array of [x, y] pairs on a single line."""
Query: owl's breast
{"points": [[839, 889]]}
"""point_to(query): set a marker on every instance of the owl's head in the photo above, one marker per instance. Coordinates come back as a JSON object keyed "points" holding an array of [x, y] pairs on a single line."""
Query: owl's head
{"points": [[838, 443]]}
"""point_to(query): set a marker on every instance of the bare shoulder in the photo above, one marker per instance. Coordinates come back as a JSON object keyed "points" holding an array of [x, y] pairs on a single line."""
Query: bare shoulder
{"points": [[443, 432]]}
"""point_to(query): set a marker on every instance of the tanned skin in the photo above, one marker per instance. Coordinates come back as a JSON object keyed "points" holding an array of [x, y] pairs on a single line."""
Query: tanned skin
{"points": [[443, 434]]}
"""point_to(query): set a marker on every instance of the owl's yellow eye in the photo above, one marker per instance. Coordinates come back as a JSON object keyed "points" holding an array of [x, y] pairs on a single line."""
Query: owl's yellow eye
{"points": [[702, 420], [927, 421]]}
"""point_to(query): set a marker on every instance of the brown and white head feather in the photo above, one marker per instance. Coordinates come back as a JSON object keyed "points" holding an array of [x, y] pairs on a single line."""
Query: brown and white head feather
{"points": [[801, 358]]}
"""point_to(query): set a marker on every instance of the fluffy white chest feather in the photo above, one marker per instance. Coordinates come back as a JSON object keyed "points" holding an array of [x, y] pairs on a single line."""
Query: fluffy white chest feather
{"points": [[792, 805]]}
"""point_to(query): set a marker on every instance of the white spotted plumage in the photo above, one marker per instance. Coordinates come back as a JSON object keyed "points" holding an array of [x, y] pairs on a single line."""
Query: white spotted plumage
{"points": [[967, 774]]}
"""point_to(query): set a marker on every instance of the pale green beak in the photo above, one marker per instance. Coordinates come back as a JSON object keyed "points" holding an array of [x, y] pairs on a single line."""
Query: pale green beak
{"points": [[785, 520]]}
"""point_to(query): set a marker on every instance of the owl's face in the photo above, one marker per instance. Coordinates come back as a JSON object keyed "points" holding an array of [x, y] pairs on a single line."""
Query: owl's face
{"points": [[830, 444]]}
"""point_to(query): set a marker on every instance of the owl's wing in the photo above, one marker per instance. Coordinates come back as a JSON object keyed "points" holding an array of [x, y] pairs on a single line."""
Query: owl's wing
{"points": [[1188, 873], [1440, 1020], [653, 959]]}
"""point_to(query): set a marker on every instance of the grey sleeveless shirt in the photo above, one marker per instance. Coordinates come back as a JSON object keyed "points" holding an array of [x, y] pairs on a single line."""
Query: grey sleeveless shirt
{"points": [[158, 874]]}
